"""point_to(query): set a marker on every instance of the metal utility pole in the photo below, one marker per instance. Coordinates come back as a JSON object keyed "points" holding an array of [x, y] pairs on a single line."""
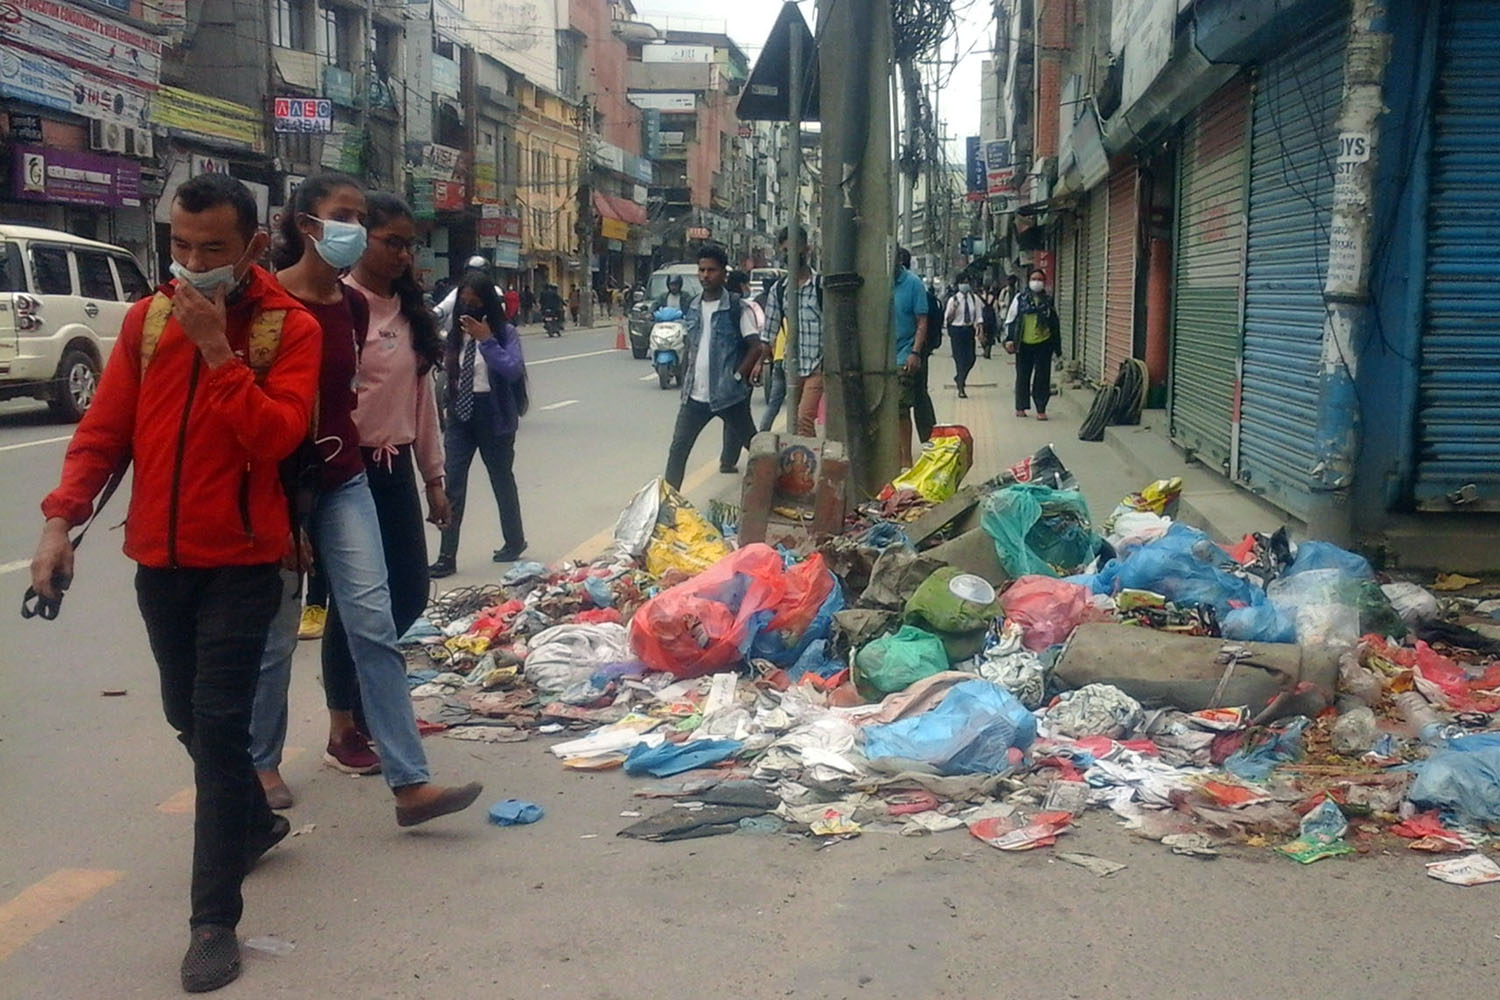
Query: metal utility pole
{"points": [[855, 67], [585, 226]]}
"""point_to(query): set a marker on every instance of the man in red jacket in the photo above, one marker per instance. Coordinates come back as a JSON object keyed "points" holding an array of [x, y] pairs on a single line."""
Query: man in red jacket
{"points": [[205, 400]]}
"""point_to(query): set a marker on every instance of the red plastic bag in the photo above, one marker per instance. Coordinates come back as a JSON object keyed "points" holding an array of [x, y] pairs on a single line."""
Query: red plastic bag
{"points": [[808, 585], [1047, 610], [705, 625]]}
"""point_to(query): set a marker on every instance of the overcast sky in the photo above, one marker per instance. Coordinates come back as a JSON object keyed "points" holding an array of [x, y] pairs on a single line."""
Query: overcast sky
{"points": [[749, 22]]}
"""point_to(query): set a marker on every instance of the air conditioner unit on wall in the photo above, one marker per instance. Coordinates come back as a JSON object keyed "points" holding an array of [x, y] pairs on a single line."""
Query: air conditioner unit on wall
{"points": [[116, 138], [108, 136]]}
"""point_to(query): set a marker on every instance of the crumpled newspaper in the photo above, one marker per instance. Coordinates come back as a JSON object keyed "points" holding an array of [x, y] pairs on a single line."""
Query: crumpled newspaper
{"points": [[1095, 710]]}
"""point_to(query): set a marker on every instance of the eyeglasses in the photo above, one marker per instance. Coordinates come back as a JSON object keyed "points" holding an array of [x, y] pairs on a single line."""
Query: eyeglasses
{"points": [[397, 244]]}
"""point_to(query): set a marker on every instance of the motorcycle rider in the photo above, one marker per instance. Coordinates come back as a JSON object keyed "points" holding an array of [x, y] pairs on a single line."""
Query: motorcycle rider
{"points": [[673, 299]]}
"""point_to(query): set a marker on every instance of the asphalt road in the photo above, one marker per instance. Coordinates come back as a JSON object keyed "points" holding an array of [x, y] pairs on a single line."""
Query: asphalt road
{"points": [[96, 825]]}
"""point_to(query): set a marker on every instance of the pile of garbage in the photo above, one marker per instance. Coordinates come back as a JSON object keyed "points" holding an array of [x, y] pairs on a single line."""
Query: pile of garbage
{"points": [[1265, 692]]}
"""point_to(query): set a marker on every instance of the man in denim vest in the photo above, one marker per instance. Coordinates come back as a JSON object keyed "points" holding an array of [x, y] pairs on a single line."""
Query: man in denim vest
{"points": [[723, 346]]}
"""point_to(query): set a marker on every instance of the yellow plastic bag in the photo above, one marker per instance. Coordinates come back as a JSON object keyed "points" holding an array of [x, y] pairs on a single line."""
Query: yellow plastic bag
{"points": [[939, 472], [683, 538]]}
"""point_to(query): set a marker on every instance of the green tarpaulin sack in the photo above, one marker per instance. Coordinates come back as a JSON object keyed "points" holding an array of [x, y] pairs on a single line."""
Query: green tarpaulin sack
{"points": [[896, 662], [957, 607]]}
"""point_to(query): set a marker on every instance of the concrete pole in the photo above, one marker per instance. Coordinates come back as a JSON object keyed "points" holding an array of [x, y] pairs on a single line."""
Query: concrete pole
{"points": [[794, 91], [1346, 289], [863, 393]]}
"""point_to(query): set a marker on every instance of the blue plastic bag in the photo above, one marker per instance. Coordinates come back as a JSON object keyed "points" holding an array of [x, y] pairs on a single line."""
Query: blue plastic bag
{"points": [[1325, 555], [1259, 623], [515, 812], [771, 644], [1257, 764], [673, 758], [815, 660], [1184, 566], [1464, 780], [970, 732]]}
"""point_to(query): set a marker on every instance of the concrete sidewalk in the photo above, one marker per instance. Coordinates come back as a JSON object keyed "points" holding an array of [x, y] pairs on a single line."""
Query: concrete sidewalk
{"points": [[1126, 460]]}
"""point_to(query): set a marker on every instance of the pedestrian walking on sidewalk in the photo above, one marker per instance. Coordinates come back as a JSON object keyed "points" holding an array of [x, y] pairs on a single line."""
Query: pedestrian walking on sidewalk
{"points": [[322, 235], [487, 397], [206, 392], [964, 317], [912, 327], [809, 359], [528, 306], [1033, 333], [722, 349]]}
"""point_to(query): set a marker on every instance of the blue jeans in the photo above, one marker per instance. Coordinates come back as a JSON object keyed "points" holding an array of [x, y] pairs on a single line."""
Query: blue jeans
{"points": [[345, 531], [775, 395]]}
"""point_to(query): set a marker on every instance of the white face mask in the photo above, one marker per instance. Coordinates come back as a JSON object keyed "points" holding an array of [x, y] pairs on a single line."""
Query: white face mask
{"points": [[1038, 286]]}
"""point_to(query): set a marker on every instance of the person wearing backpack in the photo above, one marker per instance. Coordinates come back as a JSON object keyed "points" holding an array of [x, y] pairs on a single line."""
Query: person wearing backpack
{"points": [[487, 397], [723, 347], [210, 387], [1033, 333], [809, 360]]}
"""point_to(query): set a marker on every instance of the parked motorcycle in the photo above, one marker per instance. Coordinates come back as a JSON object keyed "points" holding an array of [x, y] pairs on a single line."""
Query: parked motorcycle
{"points": [[552, 322], [668, 337]]}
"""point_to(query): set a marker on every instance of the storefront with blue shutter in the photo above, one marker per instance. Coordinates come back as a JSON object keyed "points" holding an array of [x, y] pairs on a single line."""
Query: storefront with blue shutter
{"points": [[1293, 151], [1456, 453]]}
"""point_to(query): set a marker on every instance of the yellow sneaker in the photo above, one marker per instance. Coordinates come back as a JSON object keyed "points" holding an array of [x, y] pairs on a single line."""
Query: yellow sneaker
{"points": [[313, 620]]}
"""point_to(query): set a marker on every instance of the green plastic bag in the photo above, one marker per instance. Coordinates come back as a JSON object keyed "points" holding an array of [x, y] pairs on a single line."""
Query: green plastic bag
{"points": [[1039, 531], [896, 662], [957, 607]]}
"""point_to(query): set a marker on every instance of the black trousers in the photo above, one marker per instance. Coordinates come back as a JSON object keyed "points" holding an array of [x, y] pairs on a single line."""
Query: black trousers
{"points": [[207, 629], [498, 452], [963, 353], [1033, 375], [739, 428], [403, 537]]}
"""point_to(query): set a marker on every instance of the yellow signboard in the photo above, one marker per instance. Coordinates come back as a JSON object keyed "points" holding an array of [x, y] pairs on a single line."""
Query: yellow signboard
{"points": [[614, 229], [198, 115]]}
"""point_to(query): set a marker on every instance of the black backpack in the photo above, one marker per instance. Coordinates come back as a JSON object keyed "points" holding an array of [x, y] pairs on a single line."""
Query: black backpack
{"points": [[934, 323]]}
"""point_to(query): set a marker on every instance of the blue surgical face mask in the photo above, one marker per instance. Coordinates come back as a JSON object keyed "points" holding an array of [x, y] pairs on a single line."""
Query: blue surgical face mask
{"points": [[965, 287], [208, 282], [343, 243]]}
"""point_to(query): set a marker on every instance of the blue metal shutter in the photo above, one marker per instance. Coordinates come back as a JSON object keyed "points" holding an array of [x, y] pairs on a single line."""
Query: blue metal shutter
{"points": [[1210, 267], [1458, 410], [1293, 149]]}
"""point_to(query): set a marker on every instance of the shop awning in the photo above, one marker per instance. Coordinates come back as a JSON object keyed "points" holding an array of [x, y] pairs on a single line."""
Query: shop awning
{"points": [[619, 209]]}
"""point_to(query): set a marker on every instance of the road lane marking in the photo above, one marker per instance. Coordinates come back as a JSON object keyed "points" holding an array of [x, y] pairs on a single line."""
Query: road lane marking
{"points": [[558, 406], [11, 567], [181, 803], [43, 904], [565, 357], [33, 444]]}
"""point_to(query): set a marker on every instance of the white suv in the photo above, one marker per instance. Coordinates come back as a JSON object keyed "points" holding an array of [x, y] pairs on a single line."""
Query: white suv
{"points": [[62, 300]]}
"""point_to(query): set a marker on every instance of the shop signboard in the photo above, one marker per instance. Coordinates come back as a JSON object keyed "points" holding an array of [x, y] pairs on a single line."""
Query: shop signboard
{"points": [[44, 174], [53, 84], [302, 114], [197, 116], [82, 39]]}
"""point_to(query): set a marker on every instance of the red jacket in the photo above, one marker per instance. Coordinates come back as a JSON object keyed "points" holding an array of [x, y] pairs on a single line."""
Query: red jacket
{"points": [[205, 490]]}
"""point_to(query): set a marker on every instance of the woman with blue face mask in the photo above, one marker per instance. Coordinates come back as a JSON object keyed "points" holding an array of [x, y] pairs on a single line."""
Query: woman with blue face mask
{"points": [[322, 236]]}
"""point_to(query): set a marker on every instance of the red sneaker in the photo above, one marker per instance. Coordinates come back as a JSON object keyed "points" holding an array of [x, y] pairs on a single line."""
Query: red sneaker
{"points": [[352, 754]]}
